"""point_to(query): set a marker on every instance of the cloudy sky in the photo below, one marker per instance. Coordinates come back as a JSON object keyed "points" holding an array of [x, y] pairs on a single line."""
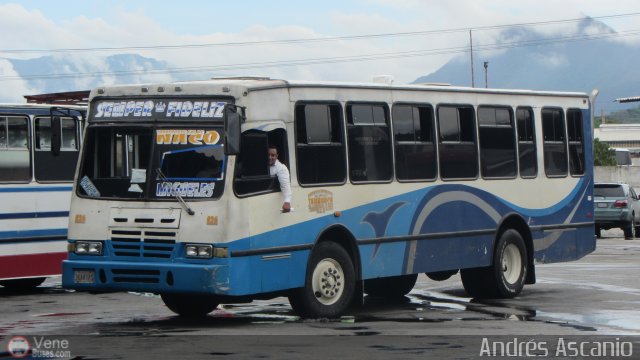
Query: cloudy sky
{"points": [[348, 40]]}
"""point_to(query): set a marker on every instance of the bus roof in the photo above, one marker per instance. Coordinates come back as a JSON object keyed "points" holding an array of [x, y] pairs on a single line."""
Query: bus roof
{"points": [[249, 84]]}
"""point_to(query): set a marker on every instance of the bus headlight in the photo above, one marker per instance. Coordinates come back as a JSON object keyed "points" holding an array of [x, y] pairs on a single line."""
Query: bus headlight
{"points": [[88, 248], [198, 251]]}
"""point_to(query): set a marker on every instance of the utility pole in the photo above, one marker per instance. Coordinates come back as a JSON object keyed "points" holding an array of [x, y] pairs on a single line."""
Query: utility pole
{"points": [[473, 84], [486, 79]]}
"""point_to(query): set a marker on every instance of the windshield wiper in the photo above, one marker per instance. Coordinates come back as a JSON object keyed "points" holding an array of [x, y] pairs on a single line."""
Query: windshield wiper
{"points": [[175, 194]]}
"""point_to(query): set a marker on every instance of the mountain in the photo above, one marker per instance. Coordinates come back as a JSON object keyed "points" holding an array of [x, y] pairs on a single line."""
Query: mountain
{"points": [[71, 64], [605, 64]]}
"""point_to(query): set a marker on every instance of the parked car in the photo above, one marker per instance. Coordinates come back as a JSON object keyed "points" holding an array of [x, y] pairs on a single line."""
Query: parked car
{"points": [[616, 206]]}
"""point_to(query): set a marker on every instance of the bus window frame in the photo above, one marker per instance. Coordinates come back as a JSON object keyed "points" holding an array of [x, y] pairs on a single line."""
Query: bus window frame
{"points": [[434, 134], [343, 139], [534, 141], [515, 140], [29, 148], [566, 140], [475, 140]]}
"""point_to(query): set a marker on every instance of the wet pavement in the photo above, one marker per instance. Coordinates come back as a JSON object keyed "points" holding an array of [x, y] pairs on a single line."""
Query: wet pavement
{"points": [[595, 296]]}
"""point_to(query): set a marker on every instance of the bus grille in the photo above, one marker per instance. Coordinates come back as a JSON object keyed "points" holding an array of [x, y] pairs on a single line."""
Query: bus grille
{"points": [[136, 276], [143, 243]]}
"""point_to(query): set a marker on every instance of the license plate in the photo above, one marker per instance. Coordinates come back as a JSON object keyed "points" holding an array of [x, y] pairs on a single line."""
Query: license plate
{"points": [[84, 276], [603, 205]]}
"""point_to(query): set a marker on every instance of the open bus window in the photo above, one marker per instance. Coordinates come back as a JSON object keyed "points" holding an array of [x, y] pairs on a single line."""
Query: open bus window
{"points": [[15, 162], [252, 166]]}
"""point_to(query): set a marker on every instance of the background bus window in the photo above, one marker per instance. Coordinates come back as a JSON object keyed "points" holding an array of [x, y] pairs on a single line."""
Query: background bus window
{"points": [[457, 142], [555, 145], [55, 167], [576, 142], [319, 144], [15, 162], [415, 151], [369, 143], [527, 142], [497, 142]]}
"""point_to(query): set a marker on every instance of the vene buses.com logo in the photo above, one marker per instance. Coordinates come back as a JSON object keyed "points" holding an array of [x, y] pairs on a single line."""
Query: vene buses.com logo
{"points": [[18, 346]]}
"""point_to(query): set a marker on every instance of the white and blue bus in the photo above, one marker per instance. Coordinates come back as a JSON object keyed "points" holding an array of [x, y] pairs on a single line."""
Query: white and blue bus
{"points": [[39, 147], [173, 194]]}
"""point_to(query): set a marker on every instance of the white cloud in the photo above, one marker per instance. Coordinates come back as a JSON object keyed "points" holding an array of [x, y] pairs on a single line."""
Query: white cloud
{"points": [[12, 90]]}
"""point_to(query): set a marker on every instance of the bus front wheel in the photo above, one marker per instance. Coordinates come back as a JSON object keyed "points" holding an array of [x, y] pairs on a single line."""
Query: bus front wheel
{"points": [[192, 306], [506, 276], [329, 283]]}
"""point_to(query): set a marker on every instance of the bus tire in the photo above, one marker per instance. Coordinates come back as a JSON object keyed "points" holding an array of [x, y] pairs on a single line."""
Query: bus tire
{"points": [[505, 278], [441, 275], [390, 287], [189, 305], [329, 283], [22, 284]]}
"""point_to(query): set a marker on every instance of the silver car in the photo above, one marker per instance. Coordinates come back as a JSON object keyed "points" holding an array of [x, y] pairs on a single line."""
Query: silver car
{"points": [[616, 206]]}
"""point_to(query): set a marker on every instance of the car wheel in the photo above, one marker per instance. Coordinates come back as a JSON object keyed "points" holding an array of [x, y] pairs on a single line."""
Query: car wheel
{"points": [[630, 229], [22, 284], [598, 232]]}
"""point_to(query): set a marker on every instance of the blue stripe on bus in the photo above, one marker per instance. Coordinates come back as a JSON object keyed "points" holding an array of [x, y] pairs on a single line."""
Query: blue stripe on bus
{"points": [[17, 234], [35, 189], [34, 215]]}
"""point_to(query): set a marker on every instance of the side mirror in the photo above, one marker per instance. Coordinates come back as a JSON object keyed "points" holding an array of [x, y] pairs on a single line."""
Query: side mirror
{"points": [[56, 135], [232, 130]]}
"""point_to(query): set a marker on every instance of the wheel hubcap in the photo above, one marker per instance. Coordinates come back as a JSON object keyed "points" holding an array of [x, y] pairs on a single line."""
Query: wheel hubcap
{"points": [[328, 281], [511, 264]]}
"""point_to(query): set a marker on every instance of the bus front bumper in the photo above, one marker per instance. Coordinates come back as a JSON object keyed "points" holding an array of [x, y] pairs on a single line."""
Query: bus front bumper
{"points": [[145, 277]]}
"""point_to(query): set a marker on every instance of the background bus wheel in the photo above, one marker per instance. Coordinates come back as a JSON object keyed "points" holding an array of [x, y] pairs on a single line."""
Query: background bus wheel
{"points": [[390, 287], [329, 283], [22, 284], [506, 277], [190, 305], [441, 275]]}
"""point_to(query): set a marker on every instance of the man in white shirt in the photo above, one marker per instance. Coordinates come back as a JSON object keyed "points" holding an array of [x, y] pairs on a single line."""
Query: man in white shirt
{"points": [[279, 169]]}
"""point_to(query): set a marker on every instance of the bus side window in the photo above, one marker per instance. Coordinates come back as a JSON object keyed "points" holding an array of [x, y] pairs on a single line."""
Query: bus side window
{"points": [[319, 144], [555, 142], [252, 166], [527, 151], [576, 142], [15, 161], [55, 167], [369, 143], [415, 149], [497, 142], [457, 142]]}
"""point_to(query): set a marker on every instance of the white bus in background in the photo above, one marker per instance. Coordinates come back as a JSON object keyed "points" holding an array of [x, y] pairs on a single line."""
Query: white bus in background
{"points": [[39, 146]]}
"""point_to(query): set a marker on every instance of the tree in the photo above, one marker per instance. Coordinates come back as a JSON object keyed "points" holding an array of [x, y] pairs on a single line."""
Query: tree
{"points": [[602, 154]]}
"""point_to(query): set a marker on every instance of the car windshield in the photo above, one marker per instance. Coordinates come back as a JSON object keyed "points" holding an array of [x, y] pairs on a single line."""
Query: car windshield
{"points": [[608, 190], [136, 162]]}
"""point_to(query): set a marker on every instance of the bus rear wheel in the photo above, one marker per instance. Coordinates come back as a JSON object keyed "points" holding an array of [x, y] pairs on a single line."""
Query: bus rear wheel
{"points": [[329, 283], [191, 306], [390, 287], [22, 284], [505, 278]]}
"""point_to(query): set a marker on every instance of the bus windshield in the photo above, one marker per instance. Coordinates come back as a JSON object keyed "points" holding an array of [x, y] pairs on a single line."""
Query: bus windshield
{"points": [[136, 162]]}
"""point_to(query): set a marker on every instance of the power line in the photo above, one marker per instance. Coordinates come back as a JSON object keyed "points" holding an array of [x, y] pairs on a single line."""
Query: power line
{"points": [[331, 60], [311, 40]]}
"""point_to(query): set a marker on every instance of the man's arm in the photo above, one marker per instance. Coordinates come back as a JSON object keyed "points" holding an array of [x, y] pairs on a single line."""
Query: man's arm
{"points": [[285, 186]]}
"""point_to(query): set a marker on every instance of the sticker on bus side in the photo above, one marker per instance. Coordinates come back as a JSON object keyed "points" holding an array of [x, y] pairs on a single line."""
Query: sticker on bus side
{"points": [[158, 109]]}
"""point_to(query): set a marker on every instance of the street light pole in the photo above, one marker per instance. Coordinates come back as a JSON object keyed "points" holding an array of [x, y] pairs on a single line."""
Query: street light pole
{"points": [[486, 66]]}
